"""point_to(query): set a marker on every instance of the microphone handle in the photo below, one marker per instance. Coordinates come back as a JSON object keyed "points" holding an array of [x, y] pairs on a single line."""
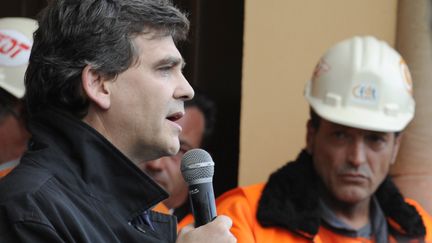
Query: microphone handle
{"points": [[202, 202]]}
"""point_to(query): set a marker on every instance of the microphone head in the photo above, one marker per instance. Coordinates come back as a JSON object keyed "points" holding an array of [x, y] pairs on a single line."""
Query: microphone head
{"points": [[197, 167]]}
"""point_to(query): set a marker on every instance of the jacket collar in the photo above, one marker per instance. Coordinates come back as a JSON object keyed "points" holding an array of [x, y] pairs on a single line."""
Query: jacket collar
{"points": [[290, 200], [82, 158]]}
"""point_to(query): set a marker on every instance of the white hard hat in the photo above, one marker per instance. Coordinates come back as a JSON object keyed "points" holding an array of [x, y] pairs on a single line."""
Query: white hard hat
{"points": [[363, 83], [16, 40]]}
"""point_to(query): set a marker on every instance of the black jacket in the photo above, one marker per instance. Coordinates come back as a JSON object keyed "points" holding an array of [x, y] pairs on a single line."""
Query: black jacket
{"points": [[75, 186]]}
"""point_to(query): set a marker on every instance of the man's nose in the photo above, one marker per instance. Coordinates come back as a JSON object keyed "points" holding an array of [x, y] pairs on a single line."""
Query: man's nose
{"points": [[357, 153], [184, 90]]}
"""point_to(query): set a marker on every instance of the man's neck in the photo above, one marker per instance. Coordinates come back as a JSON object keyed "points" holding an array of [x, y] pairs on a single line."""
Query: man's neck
{"points": [[355, 215]]}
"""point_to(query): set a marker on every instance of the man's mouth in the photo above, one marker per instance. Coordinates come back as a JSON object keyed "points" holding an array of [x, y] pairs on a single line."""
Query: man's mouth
{"points": [[354, 177], [175, 116]]}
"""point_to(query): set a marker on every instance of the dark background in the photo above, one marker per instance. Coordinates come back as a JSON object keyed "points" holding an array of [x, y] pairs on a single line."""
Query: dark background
{"points": [[213, 55]]}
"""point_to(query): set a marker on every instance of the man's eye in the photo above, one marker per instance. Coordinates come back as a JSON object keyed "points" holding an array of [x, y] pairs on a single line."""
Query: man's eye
{"points": [[165, 68], [377, 141], [339, 135], [376, 138]]}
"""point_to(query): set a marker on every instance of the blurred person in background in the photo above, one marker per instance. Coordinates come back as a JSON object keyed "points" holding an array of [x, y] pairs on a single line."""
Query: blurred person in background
{"points": [[16, 39]]}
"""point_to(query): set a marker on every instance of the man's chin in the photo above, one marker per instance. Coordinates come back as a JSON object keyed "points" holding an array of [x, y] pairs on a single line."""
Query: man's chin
{"points": [[353, 196], [173, 149]]}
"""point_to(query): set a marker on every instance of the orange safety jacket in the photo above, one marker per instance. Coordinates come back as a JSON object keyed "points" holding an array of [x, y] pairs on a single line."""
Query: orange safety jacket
{"points": [[285, 209], [6, 168], [5, 171]]}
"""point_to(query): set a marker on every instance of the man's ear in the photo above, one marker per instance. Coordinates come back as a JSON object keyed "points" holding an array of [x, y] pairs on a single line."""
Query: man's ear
{"points": [[310, 134], [95, 87]]}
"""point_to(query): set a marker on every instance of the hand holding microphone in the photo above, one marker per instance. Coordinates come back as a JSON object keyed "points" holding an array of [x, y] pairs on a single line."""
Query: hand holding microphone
{"points": [[197, 168], [217, 231]]}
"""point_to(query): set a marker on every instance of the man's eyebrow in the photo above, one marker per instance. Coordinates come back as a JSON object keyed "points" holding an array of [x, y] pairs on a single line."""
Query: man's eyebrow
{"points": [[173, 61]]}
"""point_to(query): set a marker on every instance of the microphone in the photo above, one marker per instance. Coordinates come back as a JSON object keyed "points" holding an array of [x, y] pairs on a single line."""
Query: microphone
{"points": [[197, 168]]}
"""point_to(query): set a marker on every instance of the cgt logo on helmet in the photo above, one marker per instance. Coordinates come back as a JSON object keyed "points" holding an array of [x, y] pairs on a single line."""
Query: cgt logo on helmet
{"points": [[14, 48], [365, 93]]}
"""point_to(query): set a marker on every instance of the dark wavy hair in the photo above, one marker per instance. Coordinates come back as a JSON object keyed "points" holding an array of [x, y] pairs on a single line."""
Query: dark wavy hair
{"points": [[99, 33], [315, 120]]}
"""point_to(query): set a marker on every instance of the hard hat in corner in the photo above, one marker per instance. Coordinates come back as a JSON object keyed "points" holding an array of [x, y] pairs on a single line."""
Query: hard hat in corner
{"points": [[16, 39], [363, 83]]}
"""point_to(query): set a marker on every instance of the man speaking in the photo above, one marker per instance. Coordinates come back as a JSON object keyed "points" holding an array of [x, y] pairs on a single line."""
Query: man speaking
{"points": [[104, 88]]}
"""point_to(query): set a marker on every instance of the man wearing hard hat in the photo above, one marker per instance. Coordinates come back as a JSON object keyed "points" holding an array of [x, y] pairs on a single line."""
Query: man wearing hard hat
{"points": [[338, 188], [15, 45]]}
